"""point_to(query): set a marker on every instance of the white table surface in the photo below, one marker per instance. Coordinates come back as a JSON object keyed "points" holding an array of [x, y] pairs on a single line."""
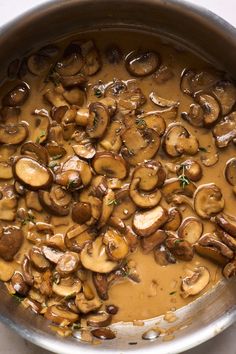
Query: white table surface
{"points": [[10, 342]]}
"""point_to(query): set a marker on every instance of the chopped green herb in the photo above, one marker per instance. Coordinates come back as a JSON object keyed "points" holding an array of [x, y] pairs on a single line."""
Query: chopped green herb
{"points": [[172, 293], [41, 135], [53, 164], [178, 241], [95, 119], [72, 184], [75, 326], [184, 181], [18, 297], [201, 148], [97, 92], [56, 157], [112, 202], [140, 122], [130, 152], [27, 219]]}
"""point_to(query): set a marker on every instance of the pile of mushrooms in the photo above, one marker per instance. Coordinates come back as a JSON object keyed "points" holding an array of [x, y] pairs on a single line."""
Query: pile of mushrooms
{"points": [[89, 164]]}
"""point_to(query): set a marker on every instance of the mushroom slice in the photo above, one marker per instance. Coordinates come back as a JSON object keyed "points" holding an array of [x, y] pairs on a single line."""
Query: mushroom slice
{"points": [[40, 131], [84, 150], [192, 170], [208, 200], [92, 58], [38, 64], [8, 203], [194, 284], [210, 107], [38, 260], [55, 151], [36, 151], [147, 222], [227, 239], [94, 257], [85, 306], [78, 80], [180, 248], [111, 105], [124, 206], [31, 173], [163, 256], [174, 219], [230, 269], [55, 202], [96, 204], [82, 167], [71, 62], [163, 74], [68, 287], [225, 130], [112, 140], [101, 285], [143, 200], [110, 164], [185, 81], [152, 241], [52, 254], [116, 245], [142, 64], [140, 145], [190, 230], [98, 120], [225, 92], [11, 239], [18, 284], [68, 263], [81, 212], [174, 186], [162, 102], [177, 141], [107, 208], [17, 96], [230, 171], [5, 170], [13, 134], [151, 174], [60, 315], [55, 98], [153, 120], [227, 223], [77, 243], [220, 251], [69, 179], [99, 319]]}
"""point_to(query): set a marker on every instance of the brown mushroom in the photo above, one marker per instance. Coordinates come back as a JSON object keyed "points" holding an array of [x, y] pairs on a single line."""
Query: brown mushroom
{"points": [[227, 222], [38, 64], [227, 239], [52, 254], [99, 319], [55, 202], [55, 151], [27, 271], [68, 287], [225, 131], [124, 206], [95, 258], [13, 134], [152, 241], [225, 92], [98, 120], [194, 81], [101, 284], [110, 164], [17, 96], [107, 208], [174, 220], [143, 200], [196, 282], [92, 58], [71, 62], [163, 256], [142, 64], [175, 186], [36, 151], [177, 141], [163, 74], [153, 120], [31, 173], [81, 212], [8, 203], [85, 306], [162, 102], [190, 230], [69, 179], [230, 269], [38, 260], [11, 239], [208, 200], [68, 263], [151, 174], [5, 170], [192, 170], [230, 171], [112, 140], [60, 315], [116, 245], [103, 333], [18, 284], [180, 248], [79, 239], [147, 222], [76, 164]]}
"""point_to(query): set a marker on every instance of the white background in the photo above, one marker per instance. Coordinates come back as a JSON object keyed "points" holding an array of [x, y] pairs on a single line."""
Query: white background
{"points": [[225, 342]]}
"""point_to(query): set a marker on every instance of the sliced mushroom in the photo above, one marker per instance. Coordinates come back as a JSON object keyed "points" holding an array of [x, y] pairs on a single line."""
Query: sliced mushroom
{"points": [[98, 120], [55, 151], [153, 120], [112, 140], [208, 200], [68, 263], [55, 202], [77, 242], [225, 130], [177, 141], [96, 205], [190, 230], [85, 306], [71, 62], [93, 62], [99, 319], [81, 212], [69, 179], [163, 256], [180, 248], [103, 333], [11, 239], [142, 64], [225, 91], [227, 239], [76, 164], [5, 170], [192, 170], [82, 117], [101, 284], [38, 260], [86, 150], [194, 81], [52, 254], [116, 245], [146, 223], [107, 208], [227, 222], [110, 164], [174, 186], [19, 285], [124, 206], [17, 96], [31, 173], [8, 203], [60, 315], [163, 74], [230, 269], [38, 64], [27, 271], [152, 241], [194, 284], [74, 96], [230, 171], [143, 200], [78, 80], [174, 220], [162, 102], [151, 174], [94, 257], [36, 151], [13, 134], [68, 287]]}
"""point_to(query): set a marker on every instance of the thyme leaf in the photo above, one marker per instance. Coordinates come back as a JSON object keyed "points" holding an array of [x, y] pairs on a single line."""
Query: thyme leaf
{"points": [[184, 181], [27, 219], [172, 293], [201, 148], [113, 202]]}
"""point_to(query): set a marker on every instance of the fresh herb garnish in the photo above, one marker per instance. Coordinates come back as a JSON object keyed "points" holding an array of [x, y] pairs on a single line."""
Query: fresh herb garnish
{"points": [[172, 293], [178, 241], [53, 164], [201, 148], [41, 135], [140, 122], [56, 157], [184, 181], [18, 297], [72, 184], [75, 326], [27, 219], [97, 92], [113, 202]]}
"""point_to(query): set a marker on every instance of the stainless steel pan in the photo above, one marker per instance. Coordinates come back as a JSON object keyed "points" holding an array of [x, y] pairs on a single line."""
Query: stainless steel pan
{"points": [[199, 30]]}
